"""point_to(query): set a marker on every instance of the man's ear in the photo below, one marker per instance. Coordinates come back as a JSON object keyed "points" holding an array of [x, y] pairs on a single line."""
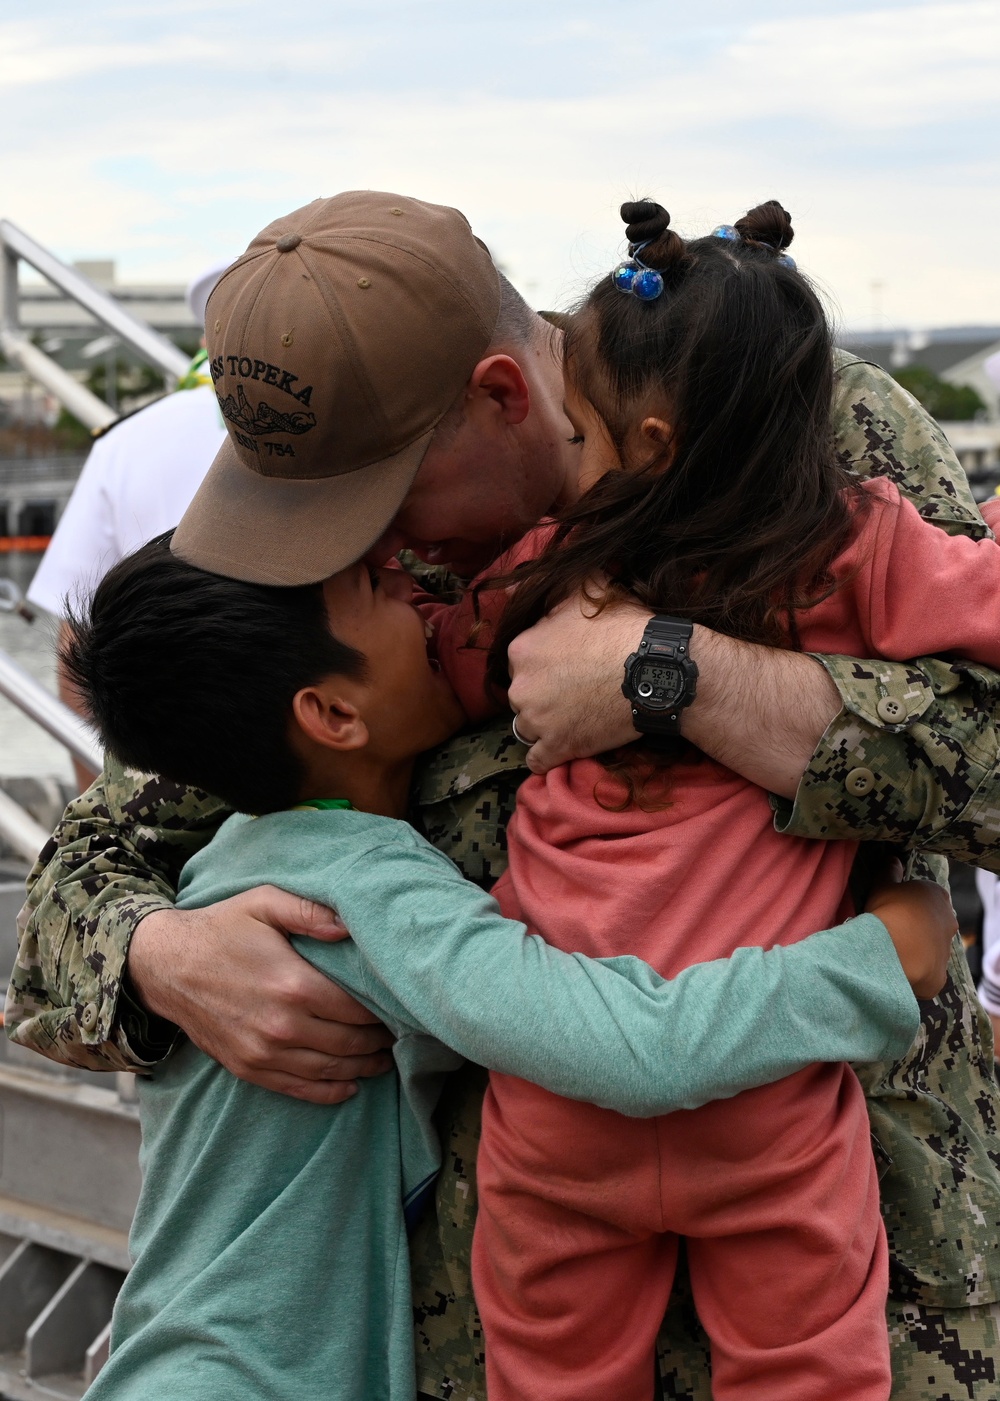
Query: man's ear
{"points": [[500, 378], [327, 717]]}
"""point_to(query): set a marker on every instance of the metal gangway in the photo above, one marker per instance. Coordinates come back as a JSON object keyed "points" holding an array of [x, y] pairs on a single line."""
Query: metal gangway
{"points": [[69, 1139]]}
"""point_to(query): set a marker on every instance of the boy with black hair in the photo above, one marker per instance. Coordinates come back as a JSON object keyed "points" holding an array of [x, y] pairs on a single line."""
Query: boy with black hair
{"points": [[270, 1237]]}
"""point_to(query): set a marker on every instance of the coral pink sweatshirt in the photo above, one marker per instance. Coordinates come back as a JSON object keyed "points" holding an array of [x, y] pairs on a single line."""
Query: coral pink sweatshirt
{"points": [[709, 873]]}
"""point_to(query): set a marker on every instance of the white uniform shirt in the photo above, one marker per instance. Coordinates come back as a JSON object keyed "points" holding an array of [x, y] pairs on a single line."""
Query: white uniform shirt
{"points": [[989, 988], [136, 483]]}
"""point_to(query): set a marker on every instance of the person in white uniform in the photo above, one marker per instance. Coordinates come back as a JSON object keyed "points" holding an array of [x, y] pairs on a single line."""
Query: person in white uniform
{"points": [[137, 482], [989, 986], [986, 882]]}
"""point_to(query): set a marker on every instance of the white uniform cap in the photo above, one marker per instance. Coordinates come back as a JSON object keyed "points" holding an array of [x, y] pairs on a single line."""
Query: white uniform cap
{"points": [[201, 287]]}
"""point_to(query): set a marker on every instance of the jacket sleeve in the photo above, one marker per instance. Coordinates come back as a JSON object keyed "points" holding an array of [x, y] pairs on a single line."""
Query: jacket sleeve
{"points": [[912, 756], [115, 857]]}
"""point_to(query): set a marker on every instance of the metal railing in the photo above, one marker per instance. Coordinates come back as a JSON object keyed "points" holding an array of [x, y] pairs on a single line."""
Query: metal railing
{"points": [[63, 1214], [17, 827], [63, 468], [149, 345]]}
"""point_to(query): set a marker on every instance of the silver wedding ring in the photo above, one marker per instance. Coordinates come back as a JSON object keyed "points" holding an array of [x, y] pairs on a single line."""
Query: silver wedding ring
{"points": [[517, 733]]}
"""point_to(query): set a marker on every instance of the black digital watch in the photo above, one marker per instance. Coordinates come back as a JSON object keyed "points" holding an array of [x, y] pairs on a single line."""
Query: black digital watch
{"points": [[660, 677]]}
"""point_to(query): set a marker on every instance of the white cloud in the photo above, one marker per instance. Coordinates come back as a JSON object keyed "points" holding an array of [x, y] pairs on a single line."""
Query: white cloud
{"points": [[175, 144], [883, 69], [29, 56]]}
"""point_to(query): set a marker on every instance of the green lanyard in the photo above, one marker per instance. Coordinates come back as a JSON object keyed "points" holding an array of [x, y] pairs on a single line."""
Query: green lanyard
{"points": [[197, 372], [323, 804]]}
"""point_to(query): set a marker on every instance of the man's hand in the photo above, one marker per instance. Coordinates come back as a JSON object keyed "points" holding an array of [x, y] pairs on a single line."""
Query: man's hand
{"points": [[566, 681], [759, 710], [227, 976], [922, 926]]}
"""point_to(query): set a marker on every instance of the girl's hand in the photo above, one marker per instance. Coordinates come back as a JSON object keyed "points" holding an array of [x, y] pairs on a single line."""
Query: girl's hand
{"points": [[922, 926]]}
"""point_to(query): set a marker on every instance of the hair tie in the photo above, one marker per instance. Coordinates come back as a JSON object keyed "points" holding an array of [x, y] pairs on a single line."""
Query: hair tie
{"points": [[728, 232], [636, 278]]}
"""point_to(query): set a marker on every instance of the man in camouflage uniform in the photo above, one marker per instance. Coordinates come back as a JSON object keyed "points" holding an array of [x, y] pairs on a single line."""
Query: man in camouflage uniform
{"points": [[909, 759]]}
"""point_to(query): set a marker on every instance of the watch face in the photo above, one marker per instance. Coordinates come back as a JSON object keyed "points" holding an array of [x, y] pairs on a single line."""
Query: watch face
{"points": [[658, 685]]}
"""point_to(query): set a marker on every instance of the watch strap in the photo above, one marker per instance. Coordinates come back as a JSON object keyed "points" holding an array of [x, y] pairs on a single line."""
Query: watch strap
{"points": [[666, 637]]}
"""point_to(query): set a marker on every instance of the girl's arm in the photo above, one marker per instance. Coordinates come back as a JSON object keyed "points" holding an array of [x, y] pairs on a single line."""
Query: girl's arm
{"points": [[930, 593]]}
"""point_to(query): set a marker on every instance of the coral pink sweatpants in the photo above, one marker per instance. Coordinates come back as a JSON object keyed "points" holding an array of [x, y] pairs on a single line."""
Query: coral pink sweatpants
{"points": [[776, 1193]]}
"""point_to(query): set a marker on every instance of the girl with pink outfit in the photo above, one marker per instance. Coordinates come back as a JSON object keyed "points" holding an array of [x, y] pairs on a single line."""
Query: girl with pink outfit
{"points": [[698, 381]]}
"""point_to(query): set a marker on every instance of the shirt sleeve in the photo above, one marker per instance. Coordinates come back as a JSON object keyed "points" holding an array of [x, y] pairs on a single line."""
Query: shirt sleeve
{"points": [[438, 957], [929, 593], [912, 757]]}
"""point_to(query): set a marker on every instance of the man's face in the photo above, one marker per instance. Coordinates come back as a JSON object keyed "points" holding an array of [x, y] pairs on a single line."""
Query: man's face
{"points": [[475, 493]]}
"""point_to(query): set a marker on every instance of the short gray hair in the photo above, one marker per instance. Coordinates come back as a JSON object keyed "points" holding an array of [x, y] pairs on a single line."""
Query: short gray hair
{"points": [[517, 323]]}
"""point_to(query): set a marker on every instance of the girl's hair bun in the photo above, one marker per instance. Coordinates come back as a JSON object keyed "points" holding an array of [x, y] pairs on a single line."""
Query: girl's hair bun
{"points": [[768, 224], [646, 221]]}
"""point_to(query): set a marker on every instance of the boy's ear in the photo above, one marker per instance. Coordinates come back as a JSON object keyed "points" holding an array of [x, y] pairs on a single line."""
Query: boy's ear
{"points": [[325, 715]]}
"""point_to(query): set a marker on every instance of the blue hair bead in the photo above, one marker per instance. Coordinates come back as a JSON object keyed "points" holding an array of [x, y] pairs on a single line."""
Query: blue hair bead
{"points": [[624, 275], [788, 261], [726, 231], [647, 284]]}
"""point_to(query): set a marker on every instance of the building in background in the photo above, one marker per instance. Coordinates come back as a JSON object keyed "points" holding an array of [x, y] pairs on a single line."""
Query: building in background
{"points": [[70, 336], [955, 356]]}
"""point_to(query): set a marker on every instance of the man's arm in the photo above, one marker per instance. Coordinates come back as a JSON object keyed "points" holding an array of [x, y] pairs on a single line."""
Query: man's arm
{"points": [[113, 859], [102, 893], [759, 710], [902, 752]]}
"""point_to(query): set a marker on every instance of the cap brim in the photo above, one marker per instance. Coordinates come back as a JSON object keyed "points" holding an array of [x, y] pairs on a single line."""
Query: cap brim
{"points": [[279, 530]]}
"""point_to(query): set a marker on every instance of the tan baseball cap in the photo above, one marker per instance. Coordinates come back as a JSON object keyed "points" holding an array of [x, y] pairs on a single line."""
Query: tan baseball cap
{"points": [[336, 343]]}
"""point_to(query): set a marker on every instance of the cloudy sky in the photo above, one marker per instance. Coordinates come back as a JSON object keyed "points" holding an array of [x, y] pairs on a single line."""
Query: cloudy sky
{"points": [[166, 134]]}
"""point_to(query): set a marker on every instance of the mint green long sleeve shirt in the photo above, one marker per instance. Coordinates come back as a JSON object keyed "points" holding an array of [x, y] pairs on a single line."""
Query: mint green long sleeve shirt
{"points": [[270, 1238]]}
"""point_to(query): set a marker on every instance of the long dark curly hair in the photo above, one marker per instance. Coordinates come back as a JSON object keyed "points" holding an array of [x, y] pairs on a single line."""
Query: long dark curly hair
{"points": [[734, 523]]}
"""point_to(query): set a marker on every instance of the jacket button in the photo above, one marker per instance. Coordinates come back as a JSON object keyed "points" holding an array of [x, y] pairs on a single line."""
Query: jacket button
{"points": [[891, 710], [859, 781], [89, 1016]]}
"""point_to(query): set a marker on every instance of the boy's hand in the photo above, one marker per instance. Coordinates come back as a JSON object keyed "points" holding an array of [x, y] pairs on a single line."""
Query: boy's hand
{"points": [[921, 925], [227, 976]]}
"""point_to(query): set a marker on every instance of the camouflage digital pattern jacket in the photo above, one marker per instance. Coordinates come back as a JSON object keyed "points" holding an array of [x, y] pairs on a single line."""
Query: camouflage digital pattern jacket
{"points": [[911, 759]]}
